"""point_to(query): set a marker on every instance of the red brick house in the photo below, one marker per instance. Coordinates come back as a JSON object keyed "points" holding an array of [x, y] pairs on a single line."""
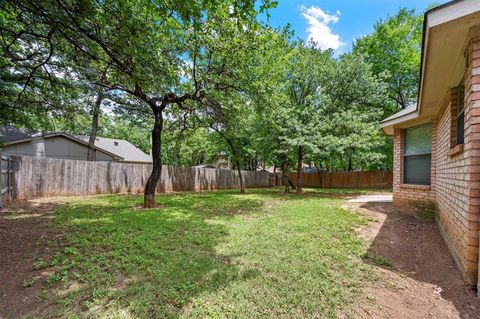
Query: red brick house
{"points": [[437, 141]]}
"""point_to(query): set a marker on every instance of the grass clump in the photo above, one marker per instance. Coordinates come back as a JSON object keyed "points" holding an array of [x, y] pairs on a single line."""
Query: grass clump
{"points": [[377, 260]]}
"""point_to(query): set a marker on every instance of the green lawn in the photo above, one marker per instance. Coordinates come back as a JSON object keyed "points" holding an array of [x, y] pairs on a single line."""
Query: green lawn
{"points": [[209, 255]]}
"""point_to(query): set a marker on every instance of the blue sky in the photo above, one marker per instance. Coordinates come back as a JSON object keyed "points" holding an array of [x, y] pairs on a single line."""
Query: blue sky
{"points": [[336, 23]]}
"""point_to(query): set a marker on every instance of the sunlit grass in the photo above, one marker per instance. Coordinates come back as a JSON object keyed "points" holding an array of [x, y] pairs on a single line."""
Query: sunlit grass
{"points": [[209, 255]]}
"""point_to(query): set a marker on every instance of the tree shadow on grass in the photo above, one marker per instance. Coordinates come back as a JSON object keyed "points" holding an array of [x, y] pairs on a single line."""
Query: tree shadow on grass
{"points": [[118, 261]]}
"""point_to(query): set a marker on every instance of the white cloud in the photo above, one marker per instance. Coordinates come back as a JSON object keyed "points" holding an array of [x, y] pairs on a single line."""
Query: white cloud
{"points": [[319, 30]]}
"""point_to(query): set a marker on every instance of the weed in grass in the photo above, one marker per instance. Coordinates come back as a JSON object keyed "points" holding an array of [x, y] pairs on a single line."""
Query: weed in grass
{"points": [[378, 260], [60, 275], [382, 261], [426, 214]]}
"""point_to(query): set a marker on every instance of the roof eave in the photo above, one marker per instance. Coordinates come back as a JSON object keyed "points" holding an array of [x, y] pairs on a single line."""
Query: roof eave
{"points": [[388, 126], [465, 7], [462, 8]]}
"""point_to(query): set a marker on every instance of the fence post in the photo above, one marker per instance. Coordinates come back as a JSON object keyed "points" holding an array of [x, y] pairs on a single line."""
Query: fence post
{"points": [[6, 182], [1, 180], [10, 178]]}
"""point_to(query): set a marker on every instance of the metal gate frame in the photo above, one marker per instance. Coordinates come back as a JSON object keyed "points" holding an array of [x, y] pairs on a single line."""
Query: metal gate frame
{"points": [[6, 178]]}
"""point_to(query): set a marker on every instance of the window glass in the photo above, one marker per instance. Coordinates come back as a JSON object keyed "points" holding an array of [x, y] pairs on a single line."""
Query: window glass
{"points": [[461, 128], [460, 99], [418, 169], [418, 140]]}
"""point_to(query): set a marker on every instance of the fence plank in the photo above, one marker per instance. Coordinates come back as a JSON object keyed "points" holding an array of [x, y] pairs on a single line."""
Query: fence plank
{"points": [[37, 177], [353, 179]]}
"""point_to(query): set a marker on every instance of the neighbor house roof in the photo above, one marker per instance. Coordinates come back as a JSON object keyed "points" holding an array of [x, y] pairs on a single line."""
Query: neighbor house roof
{"points": [[117, 148], [123, 148], [445, 28], [10, 134]]}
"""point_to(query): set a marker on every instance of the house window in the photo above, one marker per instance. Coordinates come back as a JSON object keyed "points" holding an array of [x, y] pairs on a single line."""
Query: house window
{"points": [[417, 155], [460, 115]]}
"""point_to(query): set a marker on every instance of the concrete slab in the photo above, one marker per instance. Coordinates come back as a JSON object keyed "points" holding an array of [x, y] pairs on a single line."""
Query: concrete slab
{"points": [[380, 198]]}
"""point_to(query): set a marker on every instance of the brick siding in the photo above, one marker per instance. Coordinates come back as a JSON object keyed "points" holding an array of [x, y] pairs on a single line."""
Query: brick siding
{"points": [[455, 183], [472, 148], [452, 182]]}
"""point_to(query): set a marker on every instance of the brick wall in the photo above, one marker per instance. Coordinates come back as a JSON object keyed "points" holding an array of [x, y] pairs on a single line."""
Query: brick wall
{"points": [[455, 187], [452, 183], [471, 217]]}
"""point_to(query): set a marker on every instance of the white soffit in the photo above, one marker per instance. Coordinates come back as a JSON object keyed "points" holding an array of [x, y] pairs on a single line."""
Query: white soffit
{"points": [[452, 11]]}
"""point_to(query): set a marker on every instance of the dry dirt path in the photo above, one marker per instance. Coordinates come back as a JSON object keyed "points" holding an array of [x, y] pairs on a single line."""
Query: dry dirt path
{"points": [[28, 239], [422, 280]]}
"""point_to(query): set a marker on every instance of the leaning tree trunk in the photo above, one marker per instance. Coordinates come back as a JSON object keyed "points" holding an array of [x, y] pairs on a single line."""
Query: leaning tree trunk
{"points": [[299, 170], [149, 195], [91, 154], [236, 160], [242, 186]]}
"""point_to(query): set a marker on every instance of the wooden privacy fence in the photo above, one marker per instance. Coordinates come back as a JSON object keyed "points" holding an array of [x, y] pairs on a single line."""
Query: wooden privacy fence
{"points": [[37, 177], [353, 179], [6, 179]]}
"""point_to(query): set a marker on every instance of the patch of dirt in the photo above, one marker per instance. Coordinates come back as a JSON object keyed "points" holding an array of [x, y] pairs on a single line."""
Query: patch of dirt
{"points": [[27, 241], [423, 281]]}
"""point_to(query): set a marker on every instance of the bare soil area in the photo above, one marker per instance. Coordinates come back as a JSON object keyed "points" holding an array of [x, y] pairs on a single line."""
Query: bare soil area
{"points": [[28, 240], [419, 277]]}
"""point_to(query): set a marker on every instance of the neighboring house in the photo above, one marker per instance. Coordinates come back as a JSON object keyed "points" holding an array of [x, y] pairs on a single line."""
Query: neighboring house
{"points": [[67, 146], [437, 141], [205, 166], [307, 168], [221, 160]]}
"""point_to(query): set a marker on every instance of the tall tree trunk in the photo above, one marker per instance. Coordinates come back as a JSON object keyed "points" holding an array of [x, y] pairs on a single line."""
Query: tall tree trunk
{"points": [[149, 195], [236, 158], [299, 170], [91, 153], [320, 173], [275, 174], [350, 164], [285, 177]]}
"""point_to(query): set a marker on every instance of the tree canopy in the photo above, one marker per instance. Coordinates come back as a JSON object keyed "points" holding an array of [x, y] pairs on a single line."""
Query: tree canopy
{"points": [[187, 81], [394, 48]]}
